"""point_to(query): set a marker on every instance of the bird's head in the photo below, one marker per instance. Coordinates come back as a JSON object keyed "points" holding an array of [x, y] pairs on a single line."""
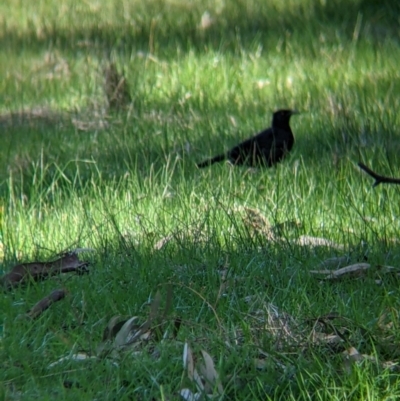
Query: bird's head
{"points": [[283, 116]]}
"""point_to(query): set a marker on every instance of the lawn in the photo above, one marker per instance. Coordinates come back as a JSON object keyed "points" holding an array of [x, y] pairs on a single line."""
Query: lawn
{"points": [[224, 282]]}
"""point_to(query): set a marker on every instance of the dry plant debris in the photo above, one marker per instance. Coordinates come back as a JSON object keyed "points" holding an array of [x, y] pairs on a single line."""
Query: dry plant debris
{"points": [[357, 270], [202, 374], [256, 222], [306, 240], [162, 242], [116, 87], [275, 334], [45, 303], [36, 271], [132, 335]]}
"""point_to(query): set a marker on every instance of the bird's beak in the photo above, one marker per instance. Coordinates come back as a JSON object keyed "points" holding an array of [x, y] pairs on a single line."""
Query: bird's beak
{"points": [[294, 112]]}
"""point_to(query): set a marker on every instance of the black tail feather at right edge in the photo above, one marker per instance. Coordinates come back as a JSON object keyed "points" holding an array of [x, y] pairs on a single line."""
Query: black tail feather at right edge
{"points": [[213, 160], [379, 179]]}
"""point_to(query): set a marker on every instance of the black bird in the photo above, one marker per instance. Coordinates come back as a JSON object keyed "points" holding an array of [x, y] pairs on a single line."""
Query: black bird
{"points": [[266, 148]]}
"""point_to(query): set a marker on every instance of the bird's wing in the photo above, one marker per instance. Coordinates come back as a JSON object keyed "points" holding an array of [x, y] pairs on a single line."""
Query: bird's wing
{"points": [[241, 151], [275, 144]]}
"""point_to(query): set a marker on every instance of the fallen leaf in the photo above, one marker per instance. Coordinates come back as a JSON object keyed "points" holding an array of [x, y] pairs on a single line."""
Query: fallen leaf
{"points": [[210, 374], [43, 304], [306, 240], [206, 21], [207, 381], [80, 356], [113, 327], [188, 362], [41, 270], [162, 242], [187, 395], [125, 333], [356, 270], [116, 87], [257, 222], [393, 366]]}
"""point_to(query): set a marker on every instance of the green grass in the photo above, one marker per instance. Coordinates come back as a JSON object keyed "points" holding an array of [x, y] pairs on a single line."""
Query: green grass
{"points": [[74, 176]]}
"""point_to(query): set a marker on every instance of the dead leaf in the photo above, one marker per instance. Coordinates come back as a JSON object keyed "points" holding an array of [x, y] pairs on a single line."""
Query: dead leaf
{"points": [[306, 240], [204, 376], [188, 363], [356, 270], [187, 395], [42, 305], [113, 327], [392, 366], [41, 270], [210, 374], [351, 356], [130, 335], [206, 21], [122, 335], [278, 324], [256, 222], [80, 356], [162, 242], [143, 332], [388, 321], [90, 123], [125, 333], [154, 322], [324, 338], [116, 87]]}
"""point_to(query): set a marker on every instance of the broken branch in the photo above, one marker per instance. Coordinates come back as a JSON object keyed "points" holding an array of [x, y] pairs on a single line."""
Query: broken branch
{"points": [[43, 304], [41, 270]]}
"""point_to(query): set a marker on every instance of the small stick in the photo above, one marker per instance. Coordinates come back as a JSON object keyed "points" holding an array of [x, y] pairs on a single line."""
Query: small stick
{"points": [[42, 305], [69, 262], [379, 179]]}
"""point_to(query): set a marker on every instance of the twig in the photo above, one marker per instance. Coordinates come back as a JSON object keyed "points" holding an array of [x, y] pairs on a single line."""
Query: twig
{"points": [[21, 273], [42, 305], [379, 179]]}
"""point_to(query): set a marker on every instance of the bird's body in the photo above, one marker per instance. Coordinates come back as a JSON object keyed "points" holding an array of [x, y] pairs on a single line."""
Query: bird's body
{"points": [[266, 148]]}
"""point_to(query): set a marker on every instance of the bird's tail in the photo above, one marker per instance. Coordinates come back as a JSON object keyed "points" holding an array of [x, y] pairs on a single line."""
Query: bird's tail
{"points": [[213, 160]]}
